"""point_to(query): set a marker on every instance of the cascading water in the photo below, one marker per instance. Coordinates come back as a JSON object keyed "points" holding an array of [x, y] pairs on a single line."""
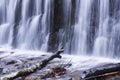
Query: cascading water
{"points": [[82, 26], [102, 33], [101, 42], [24, 24], [87, 27]]}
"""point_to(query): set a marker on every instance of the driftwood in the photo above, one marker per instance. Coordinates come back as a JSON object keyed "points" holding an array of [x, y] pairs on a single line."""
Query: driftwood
{"points": [[32, 69], [103, 71]]}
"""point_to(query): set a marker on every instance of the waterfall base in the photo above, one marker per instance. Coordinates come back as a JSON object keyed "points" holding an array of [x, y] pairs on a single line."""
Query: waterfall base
{"points": [[23, 59]]}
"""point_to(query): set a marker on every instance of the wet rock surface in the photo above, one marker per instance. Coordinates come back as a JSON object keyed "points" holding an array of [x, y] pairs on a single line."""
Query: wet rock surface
{"points": [[55, 70], [58, 69]]}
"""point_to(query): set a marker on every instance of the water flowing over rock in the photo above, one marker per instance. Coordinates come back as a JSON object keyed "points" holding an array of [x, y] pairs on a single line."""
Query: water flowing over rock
{"points": [[85, 27]]}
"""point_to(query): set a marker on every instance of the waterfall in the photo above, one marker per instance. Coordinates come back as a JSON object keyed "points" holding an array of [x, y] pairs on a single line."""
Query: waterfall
{"points": [[25, 24], [101, 42], [83, 27], [97, 28]]}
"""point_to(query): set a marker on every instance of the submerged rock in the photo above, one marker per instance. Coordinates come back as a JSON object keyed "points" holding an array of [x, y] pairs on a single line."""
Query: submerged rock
{"points": [[11, 62], [1, 70]]}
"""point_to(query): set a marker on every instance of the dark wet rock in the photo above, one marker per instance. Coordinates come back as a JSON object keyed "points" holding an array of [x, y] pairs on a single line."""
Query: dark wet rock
{"points": [[43, 55], [31, 59], [23, 66], [35, 58], [1, 70], [11, 62], [17, 65], [12, 52]]}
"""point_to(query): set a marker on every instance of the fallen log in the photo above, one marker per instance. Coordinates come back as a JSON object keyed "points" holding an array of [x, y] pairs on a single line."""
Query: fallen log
{"points": [[102, 71], [32, 69]]}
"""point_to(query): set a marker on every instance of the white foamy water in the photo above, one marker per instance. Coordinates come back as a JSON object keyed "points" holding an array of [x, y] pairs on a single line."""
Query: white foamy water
{"points": [[78, 62]]}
